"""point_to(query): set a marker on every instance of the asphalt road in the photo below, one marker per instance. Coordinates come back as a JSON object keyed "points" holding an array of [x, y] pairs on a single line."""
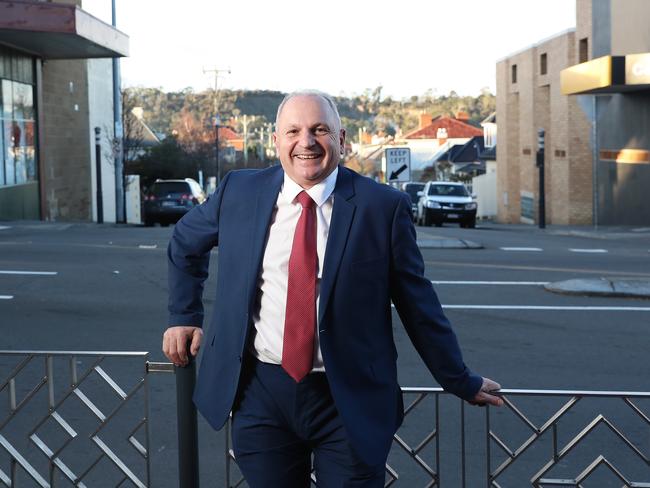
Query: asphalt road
{"points": [[109, 293]]}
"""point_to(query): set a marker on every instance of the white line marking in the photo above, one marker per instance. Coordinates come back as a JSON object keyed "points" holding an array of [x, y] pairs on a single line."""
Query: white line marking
{"points": [[543, 307], [532, 249], [4, 227], [589, 250], [520, 283], [147, 246], [6, 297], [40, 273]]}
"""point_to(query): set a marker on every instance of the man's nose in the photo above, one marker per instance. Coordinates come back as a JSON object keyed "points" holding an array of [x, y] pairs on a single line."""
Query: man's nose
{"points": [[307, 139]]}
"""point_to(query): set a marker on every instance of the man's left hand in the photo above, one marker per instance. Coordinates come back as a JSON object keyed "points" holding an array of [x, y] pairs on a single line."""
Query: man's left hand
{"points": [[485, 396]]}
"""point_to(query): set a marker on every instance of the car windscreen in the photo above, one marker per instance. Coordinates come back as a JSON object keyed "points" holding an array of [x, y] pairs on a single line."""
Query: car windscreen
{"points": [[413, 190], [448, 190], [170, 188]]}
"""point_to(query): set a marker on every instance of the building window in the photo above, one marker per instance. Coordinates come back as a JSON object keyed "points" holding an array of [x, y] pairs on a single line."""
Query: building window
{"points": [[583, 50], [513, 73], [17, 120], [542, 64]]}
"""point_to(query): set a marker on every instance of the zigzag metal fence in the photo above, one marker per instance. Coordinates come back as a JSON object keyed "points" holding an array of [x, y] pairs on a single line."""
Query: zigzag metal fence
{"points": [[540, 438], [82, 419]]}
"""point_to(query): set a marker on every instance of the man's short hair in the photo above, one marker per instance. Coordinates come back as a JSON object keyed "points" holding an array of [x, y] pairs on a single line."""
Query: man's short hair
{"points": [[330, 101]]}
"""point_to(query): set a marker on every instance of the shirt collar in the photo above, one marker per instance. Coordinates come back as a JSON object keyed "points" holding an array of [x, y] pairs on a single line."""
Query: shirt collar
{"points": [[319, 193]]}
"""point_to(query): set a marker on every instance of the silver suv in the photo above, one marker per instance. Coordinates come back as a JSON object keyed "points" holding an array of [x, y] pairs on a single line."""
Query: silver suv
{"points": [[446, 201]]}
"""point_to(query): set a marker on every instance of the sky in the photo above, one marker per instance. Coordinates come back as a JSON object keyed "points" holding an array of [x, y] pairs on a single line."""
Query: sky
{"points": [[341, 47]]}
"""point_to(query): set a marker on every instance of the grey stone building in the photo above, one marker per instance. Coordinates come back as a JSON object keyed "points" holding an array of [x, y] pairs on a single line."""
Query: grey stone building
{"points": [[55, 87]]}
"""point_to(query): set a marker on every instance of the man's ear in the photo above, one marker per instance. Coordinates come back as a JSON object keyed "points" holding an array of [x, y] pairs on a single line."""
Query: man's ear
{"points": [[342, 140]]}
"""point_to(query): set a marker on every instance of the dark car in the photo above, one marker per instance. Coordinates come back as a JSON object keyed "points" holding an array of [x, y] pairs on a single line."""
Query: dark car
{"points": [[446, 201], [412, 189], [168, 200]]}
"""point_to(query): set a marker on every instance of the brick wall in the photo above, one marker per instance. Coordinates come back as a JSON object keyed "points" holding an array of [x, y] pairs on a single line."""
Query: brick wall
{"points": [[65, 148]]}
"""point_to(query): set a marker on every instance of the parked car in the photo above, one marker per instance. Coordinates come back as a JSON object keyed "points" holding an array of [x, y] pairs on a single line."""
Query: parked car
{"points": [[412, 188], [446, 201], [168, 200]]}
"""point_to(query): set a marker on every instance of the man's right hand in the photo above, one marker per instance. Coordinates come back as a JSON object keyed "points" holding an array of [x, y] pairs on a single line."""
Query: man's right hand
{"points": [[175, 343]]}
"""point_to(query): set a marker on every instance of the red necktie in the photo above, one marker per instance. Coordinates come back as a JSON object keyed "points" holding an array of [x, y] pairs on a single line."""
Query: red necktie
{"points": [[300, 321]]}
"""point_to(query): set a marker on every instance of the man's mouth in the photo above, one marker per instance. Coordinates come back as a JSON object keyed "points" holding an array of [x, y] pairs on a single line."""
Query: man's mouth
{"points": [[307, 156]]}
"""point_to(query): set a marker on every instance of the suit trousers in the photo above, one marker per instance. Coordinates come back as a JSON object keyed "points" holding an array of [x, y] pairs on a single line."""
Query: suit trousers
{"points": [[279, 424]]}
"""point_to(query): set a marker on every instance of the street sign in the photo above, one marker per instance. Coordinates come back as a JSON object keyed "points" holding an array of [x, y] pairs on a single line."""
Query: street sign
{"points": [[397, 164]]}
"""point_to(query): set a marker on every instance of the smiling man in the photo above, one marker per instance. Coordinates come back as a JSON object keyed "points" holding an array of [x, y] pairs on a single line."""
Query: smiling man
{"points": [[300, 347]]}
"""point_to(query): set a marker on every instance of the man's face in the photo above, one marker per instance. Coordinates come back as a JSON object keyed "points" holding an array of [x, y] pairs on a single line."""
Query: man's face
{"points": [[308, 139]]}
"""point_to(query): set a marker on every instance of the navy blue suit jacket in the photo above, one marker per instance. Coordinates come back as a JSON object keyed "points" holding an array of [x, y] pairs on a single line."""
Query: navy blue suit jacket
{"points": [[371, 259]]}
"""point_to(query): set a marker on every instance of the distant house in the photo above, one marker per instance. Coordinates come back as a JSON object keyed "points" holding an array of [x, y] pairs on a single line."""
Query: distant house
{"points": [[138, 136], [434, 137], [230, 143], [485, 185]]}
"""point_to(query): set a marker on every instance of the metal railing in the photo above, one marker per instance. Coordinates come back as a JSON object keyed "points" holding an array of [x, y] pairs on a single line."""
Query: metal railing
{"points": [[545, 468], [64, 417]]}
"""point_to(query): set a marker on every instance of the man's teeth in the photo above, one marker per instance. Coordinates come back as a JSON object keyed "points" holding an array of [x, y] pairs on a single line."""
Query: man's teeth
{"points": [[308, 156]]}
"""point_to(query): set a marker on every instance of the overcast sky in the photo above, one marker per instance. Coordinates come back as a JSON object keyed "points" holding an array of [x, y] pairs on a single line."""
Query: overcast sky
{"points": [[338, 46]]}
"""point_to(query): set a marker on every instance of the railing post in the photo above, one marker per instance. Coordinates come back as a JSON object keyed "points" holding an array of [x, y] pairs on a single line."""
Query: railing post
{"points": [[188, 439]]}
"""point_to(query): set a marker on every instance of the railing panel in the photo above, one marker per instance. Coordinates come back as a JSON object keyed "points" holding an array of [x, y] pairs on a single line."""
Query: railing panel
{"points": [[73, 419]]}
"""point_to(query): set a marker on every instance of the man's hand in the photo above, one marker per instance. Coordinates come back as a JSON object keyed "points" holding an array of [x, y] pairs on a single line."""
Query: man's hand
{"points": [[175, 343], [484, 396]]}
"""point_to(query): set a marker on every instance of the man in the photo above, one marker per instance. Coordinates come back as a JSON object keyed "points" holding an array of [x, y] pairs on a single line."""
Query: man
{"points": [[300, 347]]}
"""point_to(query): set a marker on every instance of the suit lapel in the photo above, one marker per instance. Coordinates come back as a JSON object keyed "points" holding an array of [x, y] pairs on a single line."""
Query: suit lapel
{"points": [[267, 195], [342, 214]]}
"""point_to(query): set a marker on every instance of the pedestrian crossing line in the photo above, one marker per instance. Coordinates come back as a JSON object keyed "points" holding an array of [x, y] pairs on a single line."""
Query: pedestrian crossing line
{"points": [[6, 297], [522, 249], [504, 283], [589, 251], [31, 273]]}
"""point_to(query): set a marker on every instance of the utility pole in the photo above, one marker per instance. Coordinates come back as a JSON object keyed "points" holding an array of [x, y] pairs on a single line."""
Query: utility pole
{"points": [[120, 213], [245, 125], [540, 165], [216, 73]]}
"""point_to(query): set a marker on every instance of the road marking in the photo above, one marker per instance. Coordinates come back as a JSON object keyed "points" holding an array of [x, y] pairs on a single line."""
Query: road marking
{"points": [[6, 297], [501, 267], [514, 283], [4, 227], [524, 249], [147, 246], [589, 250], [40, 273], [544, 307]]}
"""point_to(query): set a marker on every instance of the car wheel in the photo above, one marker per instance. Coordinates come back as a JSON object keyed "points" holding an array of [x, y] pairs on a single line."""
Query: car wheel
{"points": [[463, 225], [438, 224], [471, 224], [148, 222]]}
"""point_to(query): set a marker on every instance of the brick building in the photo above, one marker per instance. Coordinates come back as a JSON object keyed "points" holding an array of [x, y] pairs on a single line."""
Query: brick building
{"points": [[597, 124], [55, 88]]}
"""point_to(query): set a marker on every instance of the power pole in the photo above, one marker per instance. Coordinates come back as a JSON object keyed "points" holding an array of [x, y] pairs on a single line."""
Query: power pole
{"points": [[245, 124], [216, 73]]}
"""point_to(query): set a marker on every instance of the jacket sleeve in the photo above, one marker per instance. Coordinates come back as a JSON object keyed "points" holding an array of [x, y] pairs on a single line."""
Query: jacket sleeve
{"points": [[420, 311], [188, 258]]}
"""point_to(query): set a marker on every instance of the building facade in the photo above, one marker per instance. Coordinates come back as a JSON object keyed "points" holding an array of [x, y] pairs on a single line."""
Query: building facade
{"points": [[55, 88], [596, 123]]}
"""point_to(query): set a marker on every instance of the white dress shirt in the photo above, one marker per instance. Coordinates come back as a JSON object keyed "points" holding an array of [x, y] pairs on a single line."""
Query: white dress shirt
{"points": [[269, 315]]}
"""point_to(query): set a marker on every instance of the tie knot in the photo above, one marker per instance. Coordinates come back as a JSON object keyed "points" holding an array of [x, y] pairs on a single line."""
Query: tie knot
{"points": [[305, 200]]}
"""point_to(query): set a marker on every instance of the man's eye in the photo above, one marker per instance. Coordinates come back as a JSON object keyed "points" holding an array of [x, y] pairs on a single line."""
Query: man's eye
{"points": [[321, 130], [292, 131]]}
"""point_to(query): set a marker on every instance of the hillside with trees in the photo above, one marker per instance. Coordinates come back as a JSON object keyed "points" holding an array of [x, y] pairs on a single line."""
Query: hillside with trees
{"points": [[184, 119]]}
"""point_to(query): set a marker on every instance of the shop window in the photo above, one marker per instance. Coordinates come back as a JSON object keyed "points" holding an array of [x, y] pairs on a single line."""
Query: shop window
{"points": [[583, 50], [17, 133], [543, 64], [513, 73]]}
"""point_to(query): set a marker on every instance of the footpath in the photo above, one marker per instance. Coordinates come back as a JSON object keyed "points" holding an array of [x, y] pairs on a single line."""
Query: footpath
{"points": [[602, 287]]}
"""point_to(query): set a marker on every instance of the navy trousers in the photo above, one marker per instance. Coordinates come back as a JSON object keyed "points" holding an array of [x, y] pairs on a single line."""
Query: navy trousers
{"points": [[278, 424]]}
